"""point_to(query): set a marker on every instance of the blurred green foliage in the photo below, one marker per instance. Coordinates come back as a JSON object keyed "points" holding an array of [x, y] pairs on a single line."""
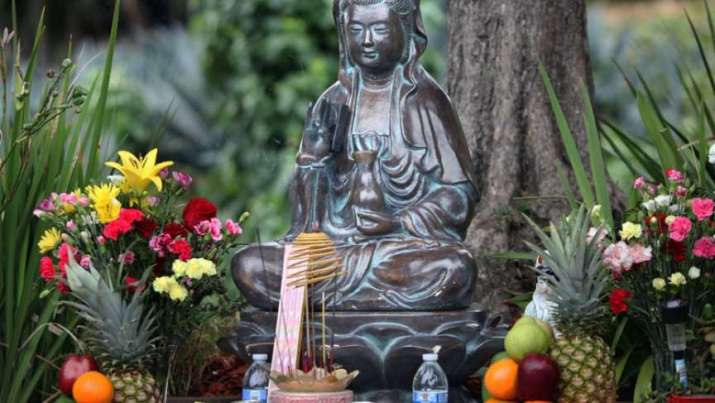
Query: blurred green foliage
{"points": [[231, 96]]}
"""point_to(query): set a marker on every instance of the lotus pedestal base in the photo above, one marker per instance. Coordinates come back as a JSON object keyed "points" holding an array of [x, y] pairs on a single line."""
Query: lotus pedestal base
{"points": [[387, 347]]}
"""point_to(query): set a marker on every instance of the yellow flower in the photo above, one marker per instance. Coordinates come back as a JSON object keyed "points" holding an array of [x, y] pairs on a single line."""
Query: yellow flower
{"points": [[658, 283], [630, 231], [139, 172], [177, 292], [179, 268], [163, 284], [105, 203], [197, 268], [677, 279], [49, 240]]}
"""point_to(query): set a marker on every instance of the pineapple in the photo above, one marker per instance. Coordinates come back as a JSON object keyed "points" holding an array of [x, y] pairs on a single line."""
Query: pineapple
{"points": [[120, 334], [577, 290]]}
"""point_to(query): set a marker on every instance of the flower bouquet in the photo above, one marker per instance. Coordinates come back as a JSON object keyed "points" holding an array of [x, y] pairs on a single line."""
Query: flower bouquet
{"points": [[140, 250], [662, 268]]}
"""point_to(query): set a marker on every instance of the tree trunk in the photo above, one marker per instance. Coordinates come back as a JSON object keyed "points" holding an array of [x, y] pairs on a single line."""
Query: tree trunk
{"points": [[495, 47]]}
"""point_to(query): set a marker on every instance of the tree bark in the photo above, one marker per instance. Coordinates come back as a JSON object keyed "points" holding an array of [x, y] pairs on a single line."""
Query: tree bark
{"points": [[495, 47]]}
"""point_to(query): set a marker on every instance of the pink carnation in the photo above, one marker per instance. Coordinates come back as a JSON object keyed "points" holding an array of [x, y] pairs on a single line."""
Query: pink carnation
{"points": [[86, 261], [202, 228], [702, 208], [68, 198], [215, 229], [704, 248], [641, 254], [127, 257], [680, 228], [160, 243], [674, 175], [639, 183], [182, 179], [233, 228], [681, 191], [617, 258]]}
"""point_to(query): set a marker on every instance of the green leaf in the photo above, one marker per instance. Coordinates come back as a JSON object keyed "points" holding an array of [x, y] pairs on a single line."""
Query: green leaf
{"points": [[621, 363], [619, 332], [569, 143], [644, 382], [512, 255], [598, 166], [659, 135]]}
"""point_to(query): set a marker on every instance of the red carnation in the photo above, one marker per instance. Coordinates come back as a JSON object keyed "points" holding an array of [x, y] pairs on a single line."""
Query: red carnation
{"points": [[676, 250], [47, 270], [116, 228], [619, 300], [146, 227], [175, 230], [659, 218], [182, 248], [132, 284], [198, 209], [130, 215], [62, 288]]}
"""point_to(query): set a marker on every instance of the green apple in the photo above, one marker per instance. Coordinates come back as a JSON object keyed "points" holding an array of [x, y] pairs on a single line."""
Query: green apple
{"points": [[524, 339]]}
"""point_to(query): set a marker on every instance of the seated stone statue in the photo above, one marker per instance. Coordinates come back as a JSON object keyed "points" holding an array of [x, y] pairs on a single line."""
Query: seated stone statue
{"points": [[384, 171]]}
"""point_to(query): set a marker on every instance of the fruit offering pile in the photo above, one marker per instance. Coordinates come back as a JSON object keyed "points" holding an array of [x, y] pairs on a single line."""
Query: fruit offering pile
{"points": [[524, 372], [80, 378]]}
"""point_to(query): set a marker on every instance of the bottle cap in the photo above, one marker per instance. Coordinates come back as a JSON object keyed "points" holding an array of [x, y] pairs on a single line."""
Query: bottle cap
{"points": [[260, 357], [429, 357]]}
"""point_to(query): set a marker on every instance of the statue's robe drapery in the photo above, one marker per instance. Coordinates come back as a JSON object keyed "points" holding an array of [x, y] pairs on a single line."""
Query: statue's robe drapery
{"points": [[424, 172]]}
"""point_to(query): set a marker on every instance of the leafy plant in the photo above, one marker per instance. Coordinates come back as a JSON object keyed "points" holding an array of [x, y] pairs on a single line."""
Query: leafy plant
{"points": [[667, 144], [52, 146]]}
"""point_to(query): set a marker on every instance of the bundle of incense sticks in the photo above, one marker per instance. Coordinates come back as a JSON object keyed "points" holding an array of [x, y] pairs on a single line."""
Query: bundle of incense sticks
{"points": [[320, 254]]}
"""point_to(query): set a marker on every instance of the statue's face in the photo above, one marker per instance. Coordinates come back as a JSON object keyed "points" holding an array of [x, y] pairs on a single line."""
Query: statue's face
{"points": [[375, 38]]}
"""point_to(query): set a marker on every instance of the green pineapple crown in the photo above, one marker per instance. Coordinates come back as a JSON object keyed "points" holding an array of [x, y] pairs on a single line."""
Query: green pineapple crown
{"points": [[579, 284], [120, 333]]}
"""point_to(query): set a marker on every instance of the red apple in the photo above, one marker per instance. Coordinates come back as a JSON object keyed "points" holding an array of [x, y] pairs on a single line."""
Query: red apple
{"points": [[73, 366], [538, 378]]}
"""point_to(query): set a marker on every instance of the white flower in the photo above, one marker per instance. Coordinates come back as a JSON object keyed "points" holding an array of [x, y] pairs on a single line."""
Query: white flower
{"points": [[694, 273], [677, 279], [658, 283], [649, 205], [663, 200], [115, 179], [711, 154]]}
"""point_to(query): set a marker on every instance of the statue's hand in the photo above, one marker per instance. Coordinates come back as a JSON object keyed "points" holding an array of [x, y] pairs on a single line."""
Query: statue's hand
{"points": [[373, 223], [317, 137]]}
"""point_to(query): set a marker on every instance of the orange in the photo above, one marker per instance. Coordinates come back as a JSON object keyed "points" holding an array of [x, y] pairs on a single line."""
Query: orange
{"points": [[538, 401], [500, 379], [92, 387], [499, 401]]}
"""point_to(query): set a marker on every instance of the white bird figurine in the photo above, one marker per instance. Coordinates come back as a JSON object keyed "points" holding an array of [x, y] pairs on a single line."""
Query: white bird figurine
{"points": [[540, 306]]}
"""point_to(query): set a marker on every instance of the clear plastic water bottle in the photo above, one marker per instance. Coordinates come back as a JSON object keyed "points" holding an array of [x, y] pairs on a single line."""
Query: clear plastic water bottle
{"points": [[255, 382], [430, 384]]}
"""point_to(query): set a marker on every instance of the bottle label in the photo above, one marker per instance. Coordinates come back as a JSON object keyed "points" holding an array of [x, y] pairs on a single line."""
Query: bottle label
{"points": [[682, 372], [429, 396], [256, 394]]}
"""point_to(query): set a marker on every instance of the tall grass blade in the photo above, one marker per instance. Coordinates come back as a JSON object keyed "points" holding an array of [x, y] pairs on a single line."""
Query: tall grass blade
{"points": [[569, 142]]}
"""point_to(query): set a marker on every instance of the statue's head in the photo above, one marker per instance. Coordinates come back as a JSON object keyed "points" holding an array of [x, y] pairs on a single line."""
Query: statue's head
{"points": [[379, 35]]}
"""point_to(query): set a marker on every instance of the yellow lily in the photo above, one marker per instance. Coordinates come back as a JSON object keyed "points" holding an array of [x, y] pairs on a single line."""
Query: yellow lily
{"points": [[139, 172]]}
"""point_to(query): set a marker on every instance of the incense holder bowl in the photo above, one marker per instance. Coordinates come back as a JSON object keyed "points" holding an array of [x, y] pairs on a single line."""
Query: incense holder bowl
{"points": [[345, 396], [387, 347]]}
